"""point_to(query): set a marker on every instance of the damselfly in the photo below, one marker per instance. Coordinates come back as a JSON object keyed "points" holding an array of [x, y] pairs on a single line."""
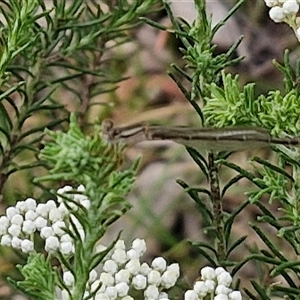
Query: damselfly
{"points": [[216, 139]]}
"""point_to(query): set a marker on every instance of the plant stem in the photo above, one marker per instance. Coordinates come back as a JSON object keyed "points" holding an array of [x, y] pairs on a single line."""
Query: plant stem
{"points": [[217, 207]]}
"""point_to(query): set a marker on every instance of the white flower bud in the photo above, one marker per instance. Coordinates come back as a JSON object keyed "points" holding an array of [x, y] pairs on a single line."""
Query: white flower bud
{"points": [[21, 206], [276, 14], [190, 295], [29, 227], [139, 282], [3, 230], [133, 266], [16, 242], [68, 278], [46, 232], [111, 292], [145, 269], [122, 289], [11, 211], [222, 289], [93, 276], [102, 296], [30, 203], [63, 209], [81, 188], [119, 256], [66, 238], [200, 288], [66, 248], [17, 219], [169, 278], [40, 223], [219, 270], [211, 284], [55, 215], [6, 240], [51, 204], [122, 276], [14, 230], [107, 279], [27, 246], [4, 224], [4, 221], [159, 264], [58, 228], [42, 210], [120, 244], [110, 266], [132, 254], [51, 244], [139, 245], [151, 292], [290, 7], [235, 295], [30, 215], [207, 273], [224, 278], [154, 277], [271, 3], [174, 268]]}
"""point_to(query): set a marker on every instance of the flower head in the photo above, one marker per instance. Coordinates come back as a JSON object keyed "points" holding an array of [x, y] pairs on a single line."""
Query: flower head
{"points": [[214, 283]]}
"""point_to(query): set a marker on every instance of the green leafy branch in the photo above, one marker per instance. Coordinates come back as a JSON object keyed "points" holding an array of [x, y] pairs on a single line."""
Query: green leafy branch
{"points": [[48, 53]]}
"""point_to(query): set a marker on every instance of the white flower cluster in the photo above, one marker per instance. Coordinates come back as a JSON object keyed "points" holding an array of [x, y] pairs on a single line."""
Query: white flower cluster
{"points": [[48, 219], [215, 283], [285, 11], [123, 271]]}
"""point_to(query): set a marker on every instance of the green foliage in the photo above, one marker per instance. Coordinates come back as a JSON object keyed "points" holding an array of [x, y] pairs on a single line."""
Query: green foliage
{"points": [[198, 52], [46, 53], [89, 161], [204, 70], [56, 57], [229, 105], [226, 103], [39, 278], [50, 50]]}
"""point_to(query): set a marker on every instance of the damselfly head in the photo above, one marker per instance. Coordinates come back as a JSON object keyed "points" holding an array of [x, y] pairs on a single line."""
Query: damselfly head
{"points": [[108, 129], [107, 125]]}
